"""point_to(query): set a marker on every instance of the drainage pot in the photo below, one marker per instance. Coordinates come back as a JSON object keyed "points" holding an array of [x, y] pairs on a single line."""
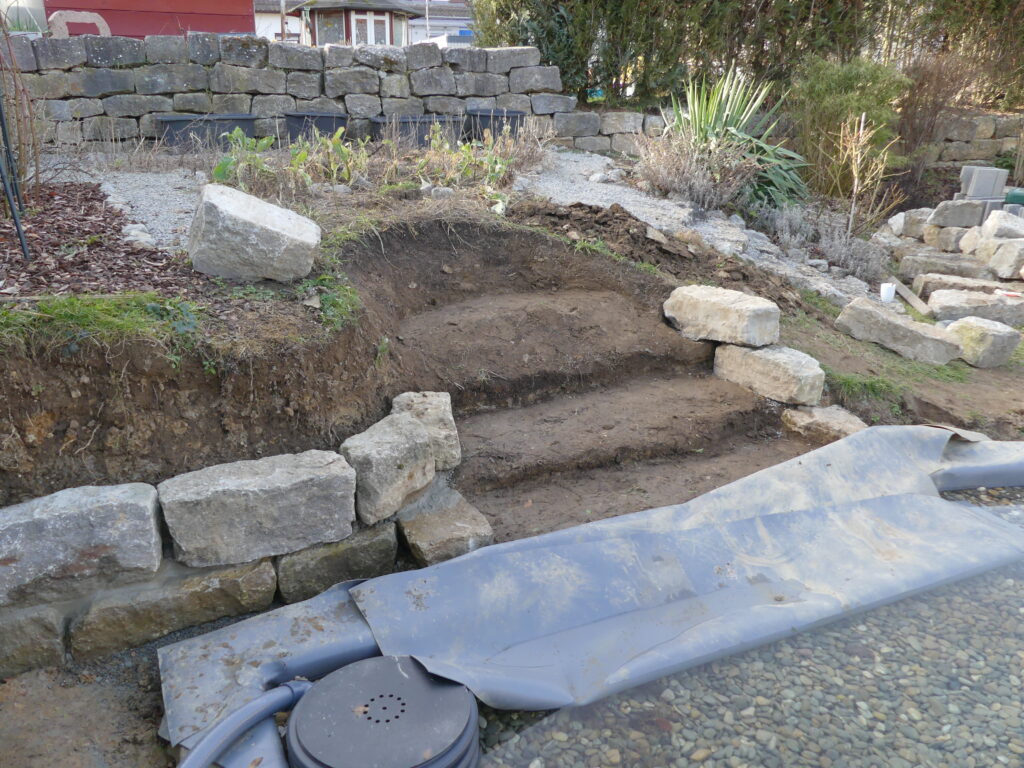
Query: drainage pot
{"points": [[310, 123], [182, 130], [384, 712], [416, 129], [494, 121]]}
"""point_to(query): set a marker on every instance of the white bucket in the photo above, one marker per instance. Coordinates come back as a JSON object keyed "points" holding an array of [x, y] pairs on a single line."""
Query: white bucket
{"points": [[887, 291]]}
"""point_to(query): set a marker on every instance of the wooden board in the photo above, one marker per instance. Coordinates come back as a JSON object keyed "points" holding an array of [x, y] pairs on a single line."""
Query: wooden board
{"points": [[910, 297]]}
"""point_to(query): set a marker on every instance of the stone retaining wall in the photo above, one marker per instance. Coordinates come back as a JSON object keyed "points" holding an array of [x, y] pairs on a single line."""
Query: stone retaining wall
{"points": [[977, 137], [101, 88]]}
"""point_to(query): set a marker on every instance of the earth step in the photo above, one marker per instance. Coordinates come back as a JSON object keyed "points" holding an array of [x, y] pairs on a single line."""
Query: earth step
{"points": [[519, 348], [641, 419]]}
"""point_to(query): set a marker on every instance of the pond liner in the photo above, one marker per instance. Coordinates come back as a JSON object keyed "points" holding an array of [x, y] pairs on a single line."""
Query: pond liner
{"points": [[573, 616]]}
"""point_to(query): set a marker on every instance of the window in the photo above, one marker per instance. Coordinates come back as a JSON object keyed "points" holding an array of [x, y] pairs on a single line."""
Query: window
{"points": [[399, 30], [362, 33], [370, 28]]}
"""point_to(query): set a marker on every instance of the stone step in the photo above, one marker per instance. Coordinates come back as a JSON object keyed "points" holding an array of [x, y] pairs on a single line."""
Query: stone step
{"points": [[514, 349], [928, 282], [644, 418]]}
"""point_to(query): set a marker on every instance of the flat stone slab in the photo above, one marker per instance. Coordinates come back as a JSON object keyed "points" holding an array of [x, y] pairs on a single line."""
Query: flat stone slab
{"points": [[985, 343], [921, 259], [864, 320], [779, 373], [822, 425], [75, 541], [706, 312], [957, 213], [434, 411], [953, 305], [926, 283], [443, 526], [247, 510], [128, 618], [29, 638], [394, 462], [242, 237], [363, 555]]}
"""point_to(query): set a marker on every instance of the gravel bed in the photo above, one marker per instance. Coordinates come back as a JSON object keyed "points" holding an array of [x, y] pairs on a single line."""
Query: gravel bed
{"points": [[933, 680]]}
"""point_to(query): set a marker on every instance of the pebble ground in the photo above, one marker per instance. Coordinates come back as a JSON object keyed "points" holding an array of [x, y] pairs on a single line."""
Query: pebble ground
{"points": [[932, 681]]}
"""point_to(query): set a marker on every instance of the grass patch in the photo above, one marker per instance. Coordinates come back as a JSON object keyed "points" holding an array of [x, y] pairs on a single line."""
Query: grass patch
{"points": [[914, 314], [820, 303], [856, 386], [339, 299]]}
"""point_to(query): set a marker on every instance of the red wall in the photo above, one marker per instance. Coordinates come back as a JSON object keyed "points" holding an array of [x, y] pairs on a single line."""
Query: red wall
{"points": [[138, 18]]}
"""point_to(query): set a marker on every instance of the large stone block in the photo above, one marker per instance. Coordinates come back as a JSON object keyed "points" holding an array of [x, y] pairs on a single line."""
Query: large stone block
{"points": [[945, 239], [166, 49], [896, 223], [72, 109], [411, 106], [203, 48], [480, 84], [981, 149], [443, 527], [550, 103], [481, 102], [71, 542], [865, 320], [626, 143], [534, 80], [577, 124], [246, 510], [193, 102], [171, 78], [954, 305], [985, 343], [292, 56], [338, 56], [1001, 225], [370, 552], [24, 56], [778, 373], [918, 260], [925, 284], [232, 103], [305, 85], [113, 51], [822, 425], [244, 50], [59, 53], [395, 86], [592, 143], [654, 125], [434, 411], [94, 83], [426, 55], [914, 221], [362, 105], [969, 242], [239, 236], [30, 638], [1008, 258], [436, 81], [272, 106], [109, 128], [519, 102], [48, 85], [464, 59], [387, 58], [127, 618], [502, 60], [321, 104], [134, 105], [957, 213], [444, 105], [393, 462], [706, 312], [341, 82], [622, 122]]}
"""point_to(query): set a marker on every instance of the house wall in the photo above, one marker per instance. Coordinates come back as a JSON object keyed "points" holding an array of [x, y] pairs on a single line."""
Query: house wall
{"points": [[268, 25], [138, 18]]}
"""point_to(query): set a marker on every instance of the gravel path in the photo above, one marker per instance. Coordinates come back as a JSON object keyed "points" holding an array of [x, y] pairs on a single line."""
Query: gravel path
{"points": [[930, 681]]}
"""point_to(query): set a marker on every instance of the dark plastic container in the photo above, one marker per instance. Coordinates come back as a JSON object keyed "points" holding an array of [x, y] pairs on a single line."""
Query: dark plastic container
{"points": [[310, 123], [182, 130], [480, 121], [416, 128]]}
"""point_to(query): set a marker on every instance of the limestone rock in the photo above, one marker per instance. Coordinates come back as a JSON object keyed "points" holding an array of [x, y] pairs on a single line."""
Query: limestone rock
{"points": [[30, 638], [953, 305], [166, 49], [550, 103], [460, 59], [240, 512], [388, 58], [914, 221], [435, 81], [501, 60], [426, 55], [921, 259], [393, 462], [969, 242], [864, 320], [1001, 225], [434, 411], [896, 223], [444, 525], [622, 122], [822, 425], [926, 284], [363, 555], [706, 312], [534, 80], [577, 124], [130, 617], [946, 239], [1008, 258], [240, 236], [957, 213], [244, 50], [59, 53], [779, 373], [74, 541], [292, 56], [985, 343]]}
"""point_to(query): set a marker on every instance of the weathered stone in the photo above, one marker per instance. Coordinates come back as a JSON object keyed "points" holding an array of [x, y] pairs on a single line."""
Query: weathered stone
{"points": [[985, 343], [706, 312], [946, 239], [626, 143], [393, 462], [171, 78], [48, 85], [395, 86], [914, 221], [534, 80], [1008, 125], [59, 53], [321, 104], [822, 425], [502, 60], [192, 102], [434, 411], [133, 105], [24, 56], [239, 512], [72, 109], [654, 125], [465, 59], [411, 106], [480, 84], [444, 105], [886, 240], [292, 56], [364, 555], [150, 128], [1008, 258], [593, 143], [127, 618], [550, 103], [232, 103], [518, 102], [426, 55], [969, 242], [109, 128], [341, 82], [363, 105], [444, 525], [243, 50], [778, 373], [305, 85], [1001, 225], [954, 305], [865, 320], [93, 83], [93, 536], [166, 49], [226, 78], [203, 48], [481, 103], [622, 122], [957, 213], [239, 236], [30, 638], [896, 223], [982, 149], [925, 284], [113, 51], [918, 260], [577, 123], [272, 106], [387, 58], [436, 81], [337, 56], [69, 133]]}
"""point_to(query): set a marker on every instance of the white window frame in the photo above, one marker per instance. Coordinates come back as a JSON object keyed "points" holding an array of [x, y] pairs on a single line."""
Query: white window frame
{"points": [[370, 17]]}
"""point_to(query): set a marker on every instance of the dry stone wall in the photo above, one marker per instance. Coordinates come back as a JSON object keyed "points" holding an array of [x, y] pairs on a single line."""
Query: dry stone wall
{"points": [[977, 137]]}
